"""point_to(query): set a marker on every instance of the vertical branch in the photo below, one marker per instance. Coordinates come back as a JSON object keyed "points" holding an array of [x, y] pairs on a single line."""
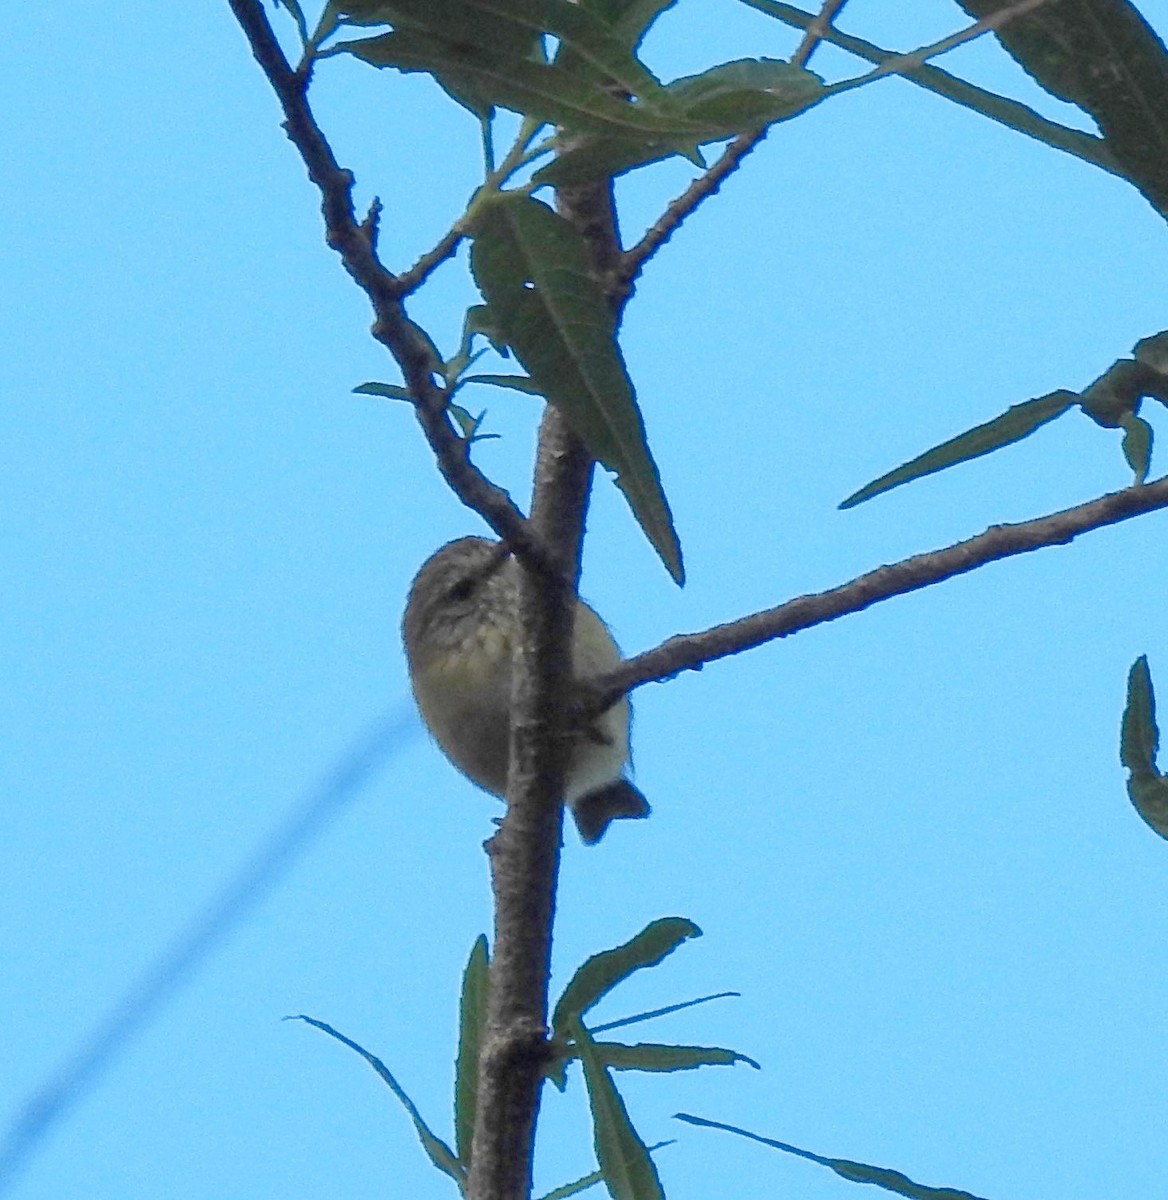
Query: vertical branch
{"points": [[525, 853]]}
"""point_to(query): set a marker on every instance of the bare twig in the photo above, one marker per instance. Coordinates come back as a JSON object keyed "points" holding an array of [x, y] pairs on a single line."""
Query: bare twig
{"points": [[816, 31], [417, 275], [916, 58], [690, 652], [355, 243], [707, 184]]}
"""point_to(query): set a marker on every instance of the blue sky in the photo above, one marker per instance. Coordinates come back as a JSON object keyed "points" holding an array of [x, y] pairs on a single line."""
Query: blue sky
{"points": [[905, 834]]}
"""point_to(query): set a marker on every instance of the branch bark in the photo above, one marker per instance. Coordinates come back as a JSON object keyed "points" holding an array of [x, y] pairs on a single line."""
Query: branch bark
{"points": [[525, 853], [356, 243], [691, 651]]}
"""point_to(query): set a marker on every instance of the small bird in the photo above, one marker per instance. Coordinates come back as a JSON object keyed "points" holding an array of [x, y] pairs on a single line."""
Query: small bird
{"points": [[461, 630]]}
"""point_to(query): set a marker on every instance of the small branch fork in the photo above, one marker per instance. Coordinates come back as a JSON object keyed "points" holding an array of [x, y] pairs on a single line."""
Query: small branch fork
{"points": [[690, 652], [355, 242]]}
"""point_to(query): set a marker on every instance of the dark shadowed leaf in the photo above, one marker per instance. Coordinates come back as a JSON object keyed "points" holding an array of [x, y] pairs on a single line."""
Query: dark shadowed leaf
{"points": [[1139, 742], [1017, 422], [1103, 56], [629, 1173], [533, 268], [438, 1151], [472, 1015], [1153, 352], [655, 1056], [891, 1181], [1137, 445], [602, 972]]}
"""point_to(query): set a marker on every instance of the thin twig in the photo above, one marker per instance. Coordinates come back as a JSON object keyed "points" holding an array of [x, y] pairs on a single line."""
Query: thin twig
{"points": [[690, 652], [816, 31], [411, 280], [354, 242], [917, 58]]}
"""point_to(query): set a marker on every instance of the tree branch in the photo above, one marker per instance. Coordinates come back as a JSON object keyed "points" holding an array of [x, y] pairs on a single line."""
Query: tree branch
{"points": [[525, 853], [690, 652], [355, 242]]}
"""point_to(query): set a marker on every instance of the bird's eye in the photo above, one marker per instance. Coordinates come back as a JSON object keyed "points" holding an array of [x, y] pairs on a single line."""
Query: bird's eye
{"points": [[461, 591]]}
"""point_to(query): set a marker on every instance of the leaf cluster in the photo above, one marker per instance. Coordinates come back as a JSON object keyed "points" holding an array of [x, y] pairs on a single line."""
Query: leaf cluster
{"points": [[625, 1163]]}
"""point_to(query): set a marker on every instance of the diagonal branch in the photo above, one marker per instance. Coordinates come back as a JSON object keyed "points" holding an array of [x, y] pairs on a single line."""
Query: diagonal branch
{"points": [[355, 242], [690, 652]]}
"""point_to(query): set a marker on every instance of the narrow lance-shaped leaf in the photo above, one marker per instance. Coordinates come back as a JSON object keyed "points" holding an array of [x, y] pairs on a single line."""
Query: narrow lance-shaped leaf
{"points": [[602, 972], [1017, 422], [438, 1151], [515, 383], [629, 1172], [472, 1014], [533, 269], [1138, 744], [857, 1172], [652, 1013], [657, 1056]]}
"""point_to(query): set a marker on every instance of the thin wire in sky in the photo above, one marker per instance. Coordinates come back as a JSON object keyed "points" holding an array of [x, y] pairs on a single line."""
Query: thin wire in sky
{"points": [[310, 816]]}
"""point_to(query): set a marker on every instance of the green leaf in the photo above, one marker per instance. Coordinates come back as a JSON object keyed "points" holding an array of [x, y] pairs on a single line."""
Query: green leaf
{"points": [[1137, 445], [1017, 422], [523, 85], [629, 1173], [655, 1056], [891, 1181], [602, 972], [517, 383], [438, 1151], [1139, 743], [1103, 56], [749, 92], [534, 270], [637, 1018], [730, 99], [472, 1018], [388, 391], [1140, 735]]}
